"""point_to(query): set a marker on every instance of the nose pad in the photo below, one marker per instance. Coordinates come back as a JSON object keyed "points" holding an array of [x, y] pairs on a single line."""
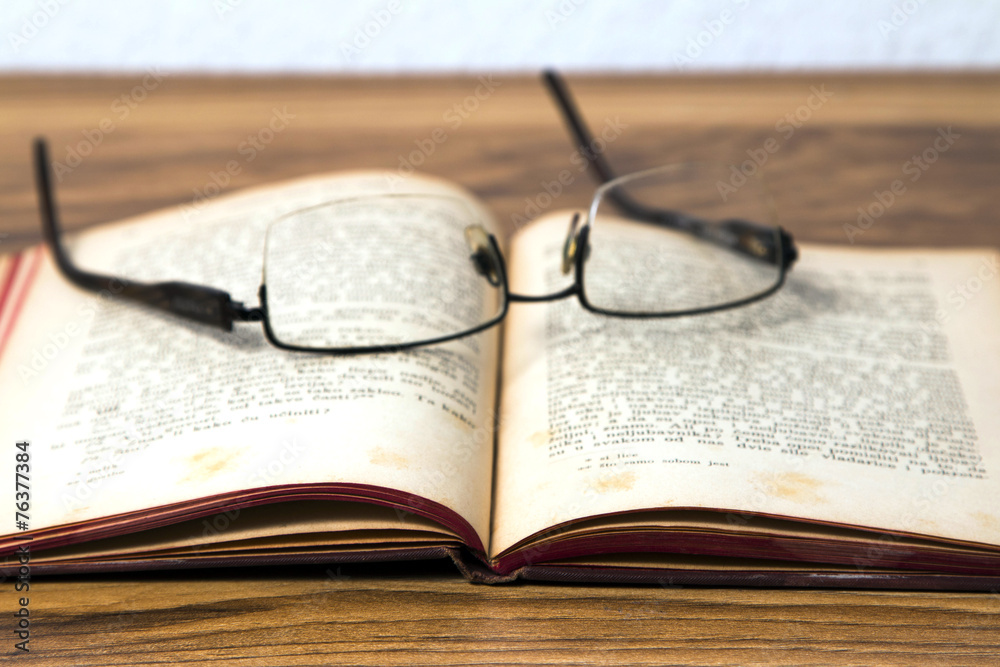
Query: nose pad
{"points": [[483, 256], [570, 246]]}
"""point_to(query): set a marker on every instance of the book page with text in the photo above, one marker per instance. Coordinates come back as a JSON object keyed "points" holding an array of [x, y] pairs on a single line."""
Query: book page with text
{"points": [[865, 393], [127, 409]]}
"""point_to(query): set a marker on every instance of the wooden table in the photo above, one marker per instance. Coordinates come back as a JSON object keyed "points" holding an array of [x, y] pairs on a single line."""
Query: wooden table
{"points": [[841, 142]]}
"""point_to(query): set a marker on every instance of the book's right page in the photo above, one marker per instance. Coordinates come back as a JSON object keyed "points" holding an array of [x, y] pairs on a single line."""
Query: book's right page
{"points": [[864, 393]]}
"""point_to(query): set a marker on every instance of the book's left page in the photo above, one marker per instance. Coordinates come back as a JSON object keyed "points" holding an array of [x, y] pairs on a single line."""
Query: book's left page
{"points": [[136, 418]]}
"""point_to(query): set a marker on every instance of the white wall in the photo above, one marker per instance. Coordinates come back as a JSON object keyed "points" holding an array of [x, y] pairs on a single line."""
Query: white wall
{"points": [[494, 35]]}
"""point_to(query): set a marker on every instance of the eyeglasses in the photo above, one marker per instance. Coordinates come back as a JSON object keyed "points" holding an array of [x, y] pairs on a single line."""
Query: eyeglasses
{"points": [[398, 271]]}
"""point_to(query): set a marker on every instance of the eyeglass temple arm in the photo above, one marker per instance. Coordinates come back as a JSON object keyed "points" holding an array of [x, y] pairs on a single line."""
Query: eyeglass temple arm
{"points": [[193, 302], [749, 238]]}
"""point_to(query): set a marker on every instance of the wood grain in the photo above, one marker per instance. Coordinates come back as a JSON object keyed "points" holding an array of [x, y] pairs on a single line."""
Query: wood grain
{"points": [[508, 145], [419, 615], [506, 149]]}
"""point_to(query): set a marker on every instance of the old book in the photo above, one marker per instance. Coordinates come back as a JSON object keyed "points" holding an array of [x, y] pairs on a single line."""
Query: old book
{"points": [[843, 432]]}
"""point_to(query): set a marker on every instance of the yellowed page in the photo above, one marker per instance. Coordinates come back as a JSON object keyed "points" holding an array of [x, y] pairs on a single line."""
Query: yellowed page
{"points": [[864, 393], [127, 409]]}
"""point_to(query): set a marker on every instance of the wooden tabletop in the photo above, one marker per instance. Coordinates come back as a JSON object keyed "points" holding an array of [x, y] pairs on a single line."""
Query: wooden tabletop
{"points": [[833, 146]]}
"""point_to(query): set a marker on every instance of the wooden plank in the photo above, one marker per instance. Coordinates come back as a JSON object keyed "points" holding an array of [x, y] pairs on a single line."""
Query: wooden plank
{"points": [[416, 615]]}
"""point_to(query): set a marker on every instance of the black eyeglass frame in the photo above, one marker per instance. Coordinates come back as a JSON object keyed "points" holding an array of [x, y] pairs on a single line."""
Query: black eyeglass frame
{"points": [[216, 308]]}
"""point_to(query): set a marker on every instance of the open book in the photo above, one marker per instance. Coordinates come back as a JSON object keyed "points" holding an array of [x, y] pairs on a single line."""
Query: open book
{"points": [[844, 432]]}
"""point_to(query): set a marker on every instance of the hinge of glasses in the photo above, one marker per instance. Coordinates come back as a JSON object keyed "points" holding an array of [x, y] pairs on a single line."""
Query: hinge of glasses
{"points": [[240, 313]]}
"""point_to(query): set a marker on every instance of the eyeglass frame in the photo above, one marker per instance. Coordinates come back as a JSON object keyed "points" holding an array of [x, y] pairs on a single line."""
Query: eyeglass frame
{"points": [[216, 308]]}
